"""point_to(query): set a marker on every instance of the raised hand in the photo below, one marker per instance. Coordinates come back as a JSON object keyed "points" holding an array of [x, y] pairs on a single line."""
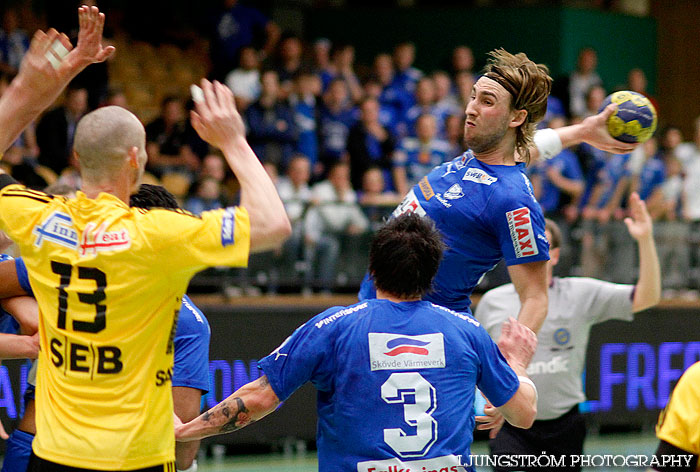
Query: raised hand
{"points": [[595, 132], [517, 343], [89, 49], [215, 118], [639, 222]]}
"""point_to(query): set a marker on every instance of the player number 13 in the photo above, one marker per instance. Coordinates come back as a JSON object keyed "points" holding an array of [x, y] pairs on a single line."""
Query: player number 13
{"points": [[95, 298]]}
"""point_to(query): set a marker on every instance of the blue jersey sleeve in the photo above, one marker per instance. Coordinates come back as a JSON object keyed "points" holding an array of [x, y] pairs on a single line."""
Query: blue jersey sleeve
{"points": [[22, 276], [304, 356], [519, 224], [496, 379]]}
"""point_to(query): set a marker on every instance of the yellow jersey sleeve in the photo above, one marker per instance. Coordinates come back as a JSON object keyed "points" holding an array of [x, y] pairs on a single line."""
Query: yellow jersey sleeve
{"points": [[186, 241], [678, 422], [20, 208]]}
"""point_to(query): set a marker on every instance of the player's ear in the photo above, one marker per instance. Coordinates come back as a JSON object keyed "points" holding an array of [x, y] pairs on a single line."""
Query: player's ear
{"points": [[517, 118], [133, 157], [554, 256]]}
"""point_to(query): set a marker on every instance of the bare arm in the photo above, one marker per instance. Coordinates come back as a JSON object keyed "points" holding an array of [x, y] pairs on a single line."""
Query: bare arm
{"points": [[647, 292], [25, 310], [38, 83], [246, 405], [530, 281], [521, 409], [17, 346], [9, 283], [218, 122]]}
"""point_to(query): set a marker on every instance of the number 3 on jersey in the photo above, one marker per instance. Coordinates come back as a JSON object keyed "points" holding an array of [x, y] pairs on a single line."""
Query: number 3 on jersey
{"points": [[398, 388]]}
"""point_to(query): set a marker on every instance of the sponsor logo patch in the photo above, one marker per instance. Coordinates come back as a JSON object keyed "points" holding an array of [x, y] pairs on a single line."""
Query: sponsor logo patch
{"points": [[521, 232], [426, 188], [96, 239], [401, 352], [562, 336], [340, 314], [410, 204], [227, 224], [449, 463], [57, 228], [479, 176], [454, 192]]}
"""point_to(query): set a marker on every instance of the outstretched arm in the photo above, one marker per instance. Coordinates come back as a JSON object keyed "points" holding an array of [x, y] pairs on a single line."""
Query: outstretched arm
{"points": [[530, 281], [218, 122], [246, 405], [592, 130], [647, 292], [39, 83]]}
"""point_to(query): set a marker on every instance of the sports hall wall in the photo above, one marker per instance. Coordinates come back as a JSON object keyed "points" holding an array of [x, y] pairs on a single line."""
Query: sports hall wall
{"points": [[631, 367], [552, 36]]}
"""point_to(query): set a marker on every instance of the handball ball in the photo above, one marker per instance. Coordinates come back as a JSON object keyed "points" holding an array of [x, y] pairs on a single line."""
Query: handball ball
{"points": [[635, 118]]}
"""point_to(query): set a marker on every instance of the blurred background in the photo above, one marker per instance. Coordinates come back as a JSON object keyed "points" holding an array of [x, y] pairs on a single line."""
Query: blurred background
{"points": [[348, 103]]}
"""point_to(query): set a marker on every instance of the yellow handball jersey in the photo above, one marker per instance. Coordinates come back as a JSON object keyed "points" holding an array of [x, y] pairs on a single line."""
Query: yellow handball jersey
{"points": [[679, 423], [108, 280]]}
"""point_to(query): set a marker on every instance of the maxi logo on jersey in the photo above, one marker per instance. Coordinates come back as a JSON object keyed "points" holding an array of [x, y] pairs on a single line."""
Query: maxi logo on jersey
{"points": [[57, 228], [389, 351], [521, 232]]}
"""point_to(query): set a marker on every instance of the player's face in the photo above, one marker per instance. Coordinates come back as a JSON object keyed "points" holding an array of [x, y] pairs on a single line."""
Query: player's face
{"points": [[488, 114]]}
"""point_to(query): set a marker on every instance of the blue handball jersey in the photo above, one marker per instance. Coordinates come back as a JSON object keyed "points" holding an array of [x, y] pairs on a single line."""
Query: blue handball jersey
{"points": [[395, 381], [8, 324], [485, 213]]}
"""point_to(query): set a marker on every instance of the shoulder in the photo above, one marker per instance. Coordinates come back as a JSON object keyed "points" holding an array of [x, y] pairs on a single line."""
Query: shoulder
{"points": [[334, 316]]}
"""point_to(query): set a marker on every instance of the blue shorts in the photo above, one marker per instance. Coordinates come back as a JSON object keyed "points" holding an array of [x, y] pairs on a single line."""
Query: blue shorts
{"points": [[191, 348]]}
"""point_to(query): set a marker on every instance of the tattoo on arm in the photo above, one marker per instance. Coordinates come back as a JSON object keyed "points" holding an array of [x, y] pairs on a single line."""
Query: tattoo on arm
{"points": [[238, 419]]}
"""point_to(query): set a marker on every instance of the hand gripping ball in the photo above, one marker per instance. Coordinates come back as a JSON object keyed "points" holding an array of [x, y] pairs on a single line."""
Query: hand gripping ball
{"points": [[635, 118]]}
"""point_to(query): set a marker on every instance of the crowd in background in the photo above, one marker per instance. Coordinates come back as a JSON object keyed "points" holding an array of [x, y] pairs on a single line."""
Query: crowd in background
{"points": [[345, 141]]}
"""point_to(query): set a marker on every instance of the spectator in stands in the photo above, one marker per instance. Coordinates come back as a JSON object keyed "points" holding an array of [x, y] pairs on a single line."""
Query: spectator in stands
{"points": [[392, 95], [244, 81], [213, 166], [376, 200], [289, 62], [116, 97], [581, 81], [271, 130], [464, 81], [462, 60], [595, 96], [55, 130], [322, 55], [407, 76], [14, 42], [671, 232], [605, 245], [454, 129], [206, 194], [652, 174], [369, 144], [689, 155], [446, 101], [388, 114], [295, 193], [342, 67], [167, 143], [415, 157], [307, 86], [336, 117], [558, 183], [333, 216], [235, 27], [637, 82], [671, 137], [425, 104]]}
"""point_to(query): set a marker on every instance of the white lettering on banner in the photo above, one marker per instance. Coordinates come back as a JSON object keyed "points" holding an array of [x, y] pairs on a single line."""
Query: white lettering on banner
{"points": [[557, 365], [521, 232], [449, 463], [388, 351], [479, 176]]}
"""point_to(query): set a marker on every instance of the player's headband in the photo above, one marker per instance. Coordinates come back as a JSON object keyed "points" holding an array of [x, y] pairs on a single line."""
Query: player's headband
{"points": [[504, 82]]}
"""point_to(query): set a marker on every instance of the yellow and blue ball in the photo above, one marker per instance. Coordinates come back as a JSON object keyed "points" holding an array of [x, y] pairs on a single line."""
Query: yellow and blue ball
{"points": [[635, 118]]}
